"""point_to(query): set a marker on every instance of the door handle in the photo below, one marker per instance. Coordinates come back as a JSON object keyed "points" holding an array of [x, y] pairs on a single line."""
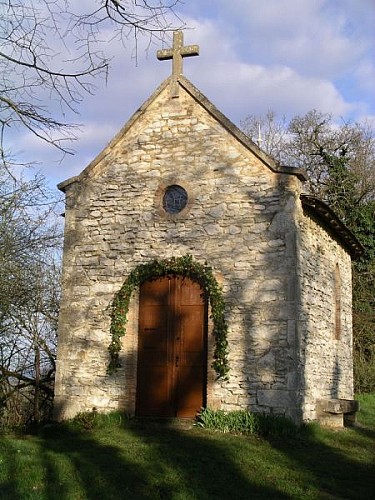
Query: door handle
{"points": [[177, 361]]}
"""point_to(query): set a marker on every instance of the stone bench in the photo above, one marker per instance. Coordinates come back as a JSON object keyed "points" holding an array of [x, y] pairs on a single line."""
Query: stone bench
{"points": [[336, 412]]}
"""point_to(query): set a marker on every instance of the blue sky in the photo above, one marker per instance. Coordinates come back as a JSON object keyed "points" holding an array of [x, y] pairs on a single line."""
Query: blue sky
{"points": [[289, 56]]}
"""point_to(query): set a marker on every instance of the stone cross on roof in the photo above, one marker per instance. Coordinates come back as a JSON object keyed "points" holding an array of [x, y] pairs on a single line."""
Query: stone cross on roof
{"points": [[176, 53]]}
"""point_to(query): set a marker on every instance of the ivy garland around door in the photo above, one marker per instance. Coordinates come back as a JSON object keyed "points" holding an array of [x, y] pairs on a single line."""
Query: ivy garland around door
{"points": [[183, 266]]}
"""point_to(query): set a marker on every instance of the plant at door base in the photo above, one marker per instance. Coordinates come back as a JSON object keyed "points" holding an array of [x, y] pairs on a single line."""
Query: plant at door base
{"points": [[182, 266]]}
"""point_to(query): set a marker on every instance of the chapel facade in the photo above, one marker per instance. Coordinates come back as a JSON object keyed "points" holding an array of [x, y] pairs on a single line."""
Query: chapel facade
{"points": [[180, 181]]}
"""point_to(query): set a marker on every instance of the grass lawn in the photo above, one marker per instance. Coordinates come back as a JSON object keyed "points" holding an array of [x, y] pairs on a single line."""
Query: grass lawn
{"points": [[133, 460]]}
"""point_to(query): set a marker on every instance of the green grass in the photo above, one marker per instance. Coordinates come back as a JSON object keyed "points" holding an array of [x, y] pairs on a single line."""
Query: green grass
{"points": [[125, 459], [244, 422]]}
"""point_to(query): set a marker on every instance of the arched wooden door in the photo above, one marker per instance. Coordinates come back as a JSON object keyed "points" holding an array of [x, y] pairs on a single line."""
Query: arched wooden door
{"points": [[172, 352]]}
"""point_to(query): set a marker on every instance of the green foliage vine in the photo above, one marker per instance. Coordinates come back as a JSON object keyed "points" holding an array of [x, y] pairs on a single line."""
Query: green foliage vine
{"points": [[183, 266]]}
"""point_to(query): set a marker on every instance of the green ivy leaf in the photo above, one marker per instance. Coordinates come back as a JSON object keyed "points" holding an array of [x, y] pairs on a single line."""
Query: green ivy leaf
{"points": [[184, 266]]}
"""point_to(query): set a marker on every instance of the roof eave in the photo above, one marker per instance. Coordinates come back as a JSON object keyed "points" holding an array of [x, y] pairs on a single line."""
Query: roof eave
{"points": [[238, 134], [211, 109], [324, 213]]}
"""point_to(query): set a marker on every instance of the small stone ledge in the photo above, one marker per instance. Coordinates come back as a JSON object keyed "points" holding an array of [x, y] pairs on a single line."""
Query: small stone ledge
{"points": [[336, 412]]}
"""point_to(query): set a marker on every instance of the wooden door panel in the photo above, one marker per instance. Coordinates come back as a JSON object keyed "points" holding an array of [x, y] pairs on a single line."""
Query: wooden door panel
{"points": [[192, 367], [155, 292], [154, 397], [193, 360], [172, 360], [192, 328], [190, 390], [155, 385], [153, 326], [190, 293]]}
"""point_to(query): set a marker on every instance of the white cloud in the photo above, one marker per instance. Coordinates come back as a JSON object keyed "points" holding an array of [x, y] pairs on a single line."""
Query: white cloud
{"points": [[317, 38], [240, 87], [246, 89], [260, 33], [286, 55], [365, 75]]}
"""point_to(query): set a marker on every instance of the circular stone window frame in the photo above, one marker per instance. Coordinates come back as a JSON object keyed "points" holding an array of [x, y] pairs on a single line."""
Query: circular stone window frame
{"points": [[159, 197]]}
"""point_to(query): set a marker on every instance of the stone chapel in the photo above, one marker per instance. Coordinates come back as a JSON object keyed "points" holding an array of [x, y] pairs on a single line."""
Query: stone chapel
{"points": [[186, 212]]}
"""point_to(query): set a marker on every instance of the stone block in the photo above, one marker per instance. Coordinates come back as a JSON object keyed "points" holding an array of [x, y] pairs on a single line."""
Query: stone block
{"points": [[275, 398]]}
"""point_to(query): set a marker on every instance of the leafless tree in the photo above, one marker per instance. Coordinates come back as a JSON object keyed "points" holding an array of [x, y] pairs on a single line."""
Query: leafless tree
{"points": [[30, 237], [305, 140], [270, 132], [51, 51]]}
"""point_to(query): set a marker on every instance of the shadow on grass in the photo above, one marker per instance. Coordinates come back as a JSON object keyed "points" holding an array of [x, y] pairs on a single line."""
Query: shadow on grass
{"points": [[149, 461], [340, 463], [146, 460]]}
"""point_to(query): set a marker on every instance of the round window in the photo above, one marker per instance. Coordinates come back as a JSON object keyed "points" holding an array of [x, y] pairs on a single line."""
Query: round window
{"points": [[175, 199]]}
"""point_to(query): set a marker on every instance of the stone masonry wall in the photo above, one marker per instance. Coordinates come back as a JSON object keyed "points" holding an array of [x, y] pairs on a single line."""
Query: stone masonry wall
{"points": [[326, 348], [240, 219]]}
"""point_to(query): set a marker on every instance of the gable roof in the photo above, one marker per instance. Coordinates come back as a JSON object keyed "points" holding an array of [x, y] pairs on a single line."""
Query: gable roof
{"points": [[197, 95], [315, 207]]}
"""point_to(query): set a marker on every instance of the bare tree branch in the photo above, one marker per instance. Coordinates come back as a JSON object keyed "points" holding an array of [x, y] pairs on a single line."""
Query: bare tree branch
{"points": [[51, 52]]}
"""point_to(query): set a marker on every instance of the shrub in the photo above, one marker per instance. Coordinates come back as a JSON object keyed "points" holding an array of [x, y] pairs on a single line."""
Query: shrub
{"points": [[244, 422], [364, 372], [93, 420]]}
